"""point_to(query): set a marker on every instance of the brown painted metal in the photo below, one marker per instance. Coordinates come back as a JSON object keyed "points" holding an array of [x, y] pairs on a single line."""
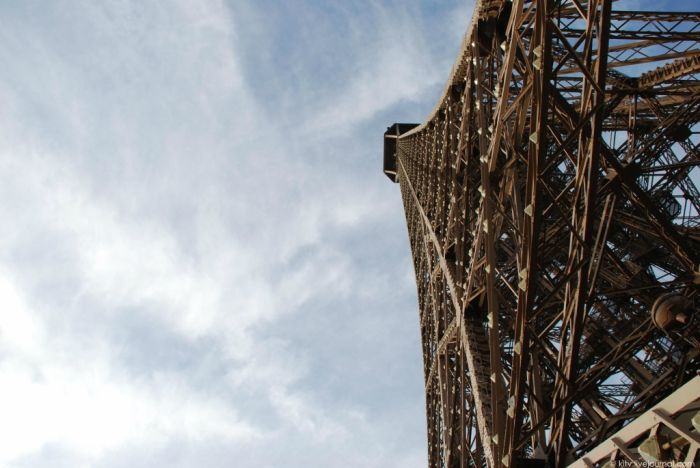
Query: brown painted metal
{"points": [[551, 199]]}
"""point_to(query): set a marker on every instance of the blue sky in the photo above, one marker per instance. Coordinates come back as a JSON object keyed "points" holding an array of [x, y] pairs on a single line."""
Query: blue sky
{"points": [[202, 263]]}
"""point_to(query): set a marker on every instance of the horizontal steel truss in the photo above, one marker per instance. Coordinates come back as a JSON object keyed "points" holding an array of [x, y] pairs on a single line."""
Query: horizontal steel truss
{"points": [[671, 425], [550, 200]]}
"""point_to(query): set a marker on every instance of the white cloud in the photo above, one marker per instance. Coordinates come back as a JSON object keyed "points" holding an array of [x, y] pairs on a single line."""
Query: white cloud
{"points": [[55, 392], [19, 328], [166, 226], [89, 410]]}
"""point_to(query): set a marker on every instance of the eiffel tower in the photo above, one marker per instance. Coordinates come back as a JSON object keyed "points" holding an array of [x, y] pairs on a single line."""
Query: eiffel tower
{"points": [[553, 213]]}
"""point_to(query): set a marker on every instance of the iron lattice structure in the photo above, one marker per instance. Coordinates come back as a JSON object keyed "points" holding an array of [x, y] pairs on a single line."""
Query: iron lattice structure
{"points": [[554, 220]]}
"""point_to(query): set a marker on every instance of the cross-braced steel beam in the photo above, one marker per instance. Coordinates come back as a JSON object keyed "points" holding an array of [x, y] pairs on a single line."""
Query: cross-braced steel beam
{"points": [[553, 213]]}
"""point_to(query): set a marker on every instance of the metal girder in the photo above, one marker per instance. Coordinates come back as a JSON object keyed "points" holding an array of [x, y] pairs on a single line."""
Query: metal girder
{"points": [[670, 71], [668, 420], [552, 206]]}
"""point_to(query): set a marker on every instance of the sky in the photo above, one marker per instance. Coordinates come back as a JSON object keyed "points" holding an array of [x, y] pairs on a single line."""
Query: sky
{"points": [[201, 262]]}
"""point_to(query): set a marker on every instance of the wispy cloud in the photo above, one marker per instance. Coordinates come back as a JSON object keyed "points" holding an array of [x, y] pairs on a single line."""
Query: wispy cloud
{"points": [[66, 389], [397, 66]]}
